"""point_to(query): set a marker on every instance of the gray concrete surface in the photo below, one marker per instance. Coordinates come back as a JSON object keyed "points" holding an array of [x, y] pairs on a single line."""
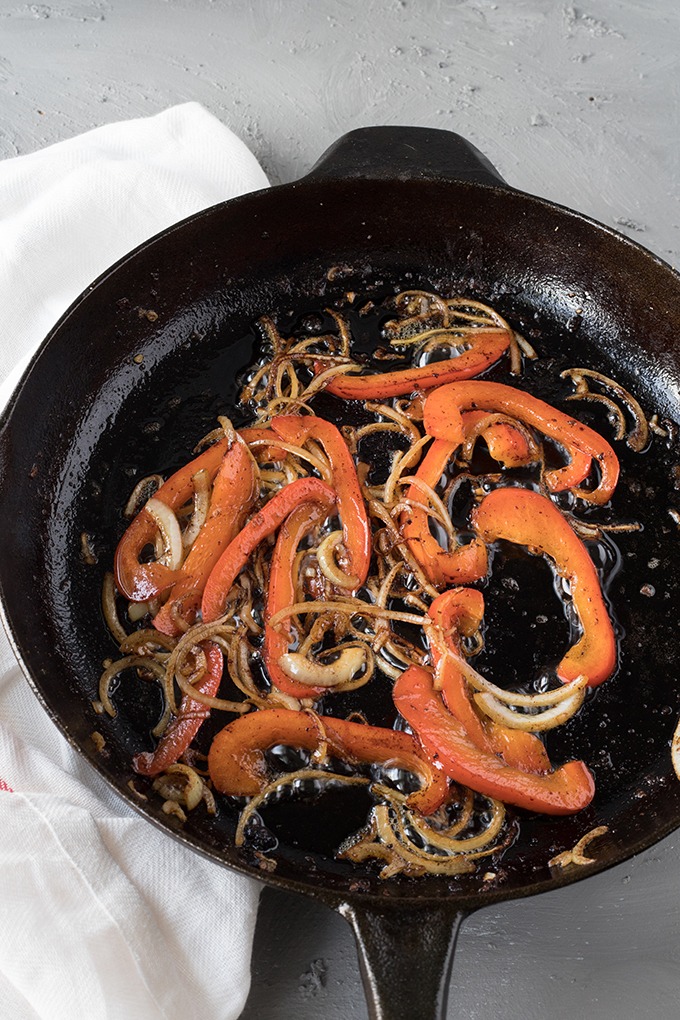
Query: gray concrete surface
{"points": [[576, 103]]}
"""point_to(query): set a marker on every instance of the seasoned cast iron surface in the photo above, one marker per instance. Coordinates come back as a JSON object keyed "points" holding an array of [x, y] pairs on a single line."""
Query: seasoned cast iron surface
{"points": [[164, 340]]}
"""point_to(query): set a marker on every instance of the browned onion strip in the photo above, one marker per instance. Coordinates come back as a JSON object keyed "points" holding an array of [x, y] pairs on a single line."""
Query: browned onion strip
{"points": [[110, 609], [291, 777], [577, 856], [325, 555], [350, 607], [143, 490], [202, 487], [675, 750], [442, 515], [546, 719], [529, 701], [456, 335], [188, 790], [638, 437], [525, 347], [147, 642], [445, 837], [400, 463], [322, 466], [350, 661], [169, 529], [142, 662], [395, 415]]}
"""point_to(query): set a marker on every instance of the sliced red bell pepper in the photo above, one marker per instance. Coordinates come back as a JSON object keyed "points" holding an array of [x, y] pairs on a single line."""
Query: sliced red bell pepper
{"points": [[234, 491], [260, 526], [191, 715], [141, 581], [238, 768], [283, 592], [568, 789], [457, 612], [442, 567], [506, 443], [527, 518], [486, 347], [444, 406], [356, 528]]}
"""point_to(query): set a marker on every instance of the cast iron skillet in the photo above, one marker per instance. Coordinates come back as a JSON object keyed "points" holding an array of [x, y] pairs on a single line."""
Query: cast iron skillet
{"points": [[140, 365]]}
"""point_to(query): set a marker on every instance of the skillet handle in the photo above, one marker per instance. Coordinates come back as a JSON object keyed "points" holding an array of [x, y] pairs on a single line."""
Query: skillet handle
{"points": [[405, 153], [405, 955]]}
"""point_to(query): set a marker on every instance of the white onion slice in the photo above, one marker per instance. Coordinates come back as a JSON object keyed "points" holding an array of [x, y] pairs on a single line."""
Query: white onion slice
{"points": [[545, 720], [325, 555], [316, 674], [168, 525]]}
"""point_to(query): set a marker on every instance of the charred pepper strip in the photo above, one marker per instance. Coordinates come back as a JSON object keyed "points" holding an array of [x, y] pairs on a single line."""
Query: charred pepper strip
{"points": [[260, 526], [238, 768], [234, 491], [191, 715], [444, 406], [486, 348], [457, 612], [283, 592], [141, 581], [527, 518], [568, 789], [442, 567], [356, 528]]}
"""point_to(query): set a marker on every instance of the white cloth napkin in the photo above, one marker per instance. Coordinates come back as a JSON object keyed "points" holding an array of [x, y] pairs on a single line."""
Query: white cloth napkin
{"points": [[101, 915]]}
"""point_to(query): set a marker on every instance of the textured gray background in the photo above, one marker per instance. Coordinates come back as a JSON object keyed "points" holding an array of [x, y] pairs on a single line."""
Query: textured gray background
{"points": [[575, 103]]}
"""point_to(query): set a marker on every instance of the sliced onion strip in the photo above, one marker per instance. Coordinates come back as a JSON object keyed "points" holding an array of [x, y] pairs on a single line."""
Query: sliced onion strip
{"points": [[166, 521]]}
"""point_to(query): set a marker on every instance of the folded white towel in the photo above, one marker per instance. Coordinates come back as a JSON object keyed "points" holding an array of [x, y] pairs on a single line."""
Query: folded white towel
{"points": [[101, 915]]}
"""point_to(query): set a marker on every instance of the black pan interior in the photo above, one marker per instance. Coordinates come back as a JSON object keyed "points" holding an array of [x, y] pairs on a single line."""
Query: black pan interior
{"points": [[139, 368]]}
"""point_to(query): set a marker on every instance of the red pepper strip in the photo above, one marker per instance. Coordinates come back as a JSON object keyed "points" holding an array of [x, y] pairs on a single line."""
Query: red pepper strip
{"points": [[141, 581], [462, 565], [527, 518], [566, 790], [260, 526], [237, 765], [582, 443], [461, 611], [187, 723], [487, 347], [356, 528], [283, 592], [234, 490], [506, 444]]}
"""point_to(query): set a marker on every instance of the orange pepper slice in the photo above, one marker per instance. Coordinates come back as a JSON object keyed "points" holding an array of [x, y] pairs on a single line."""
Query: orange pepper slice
{"points": [[238, 768], [141, 581], [356, 528], [443, 737], [486, 348], [234, 491], [442, 567], [260, 526], [527, 518], [445, 405], [283, 592]]}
